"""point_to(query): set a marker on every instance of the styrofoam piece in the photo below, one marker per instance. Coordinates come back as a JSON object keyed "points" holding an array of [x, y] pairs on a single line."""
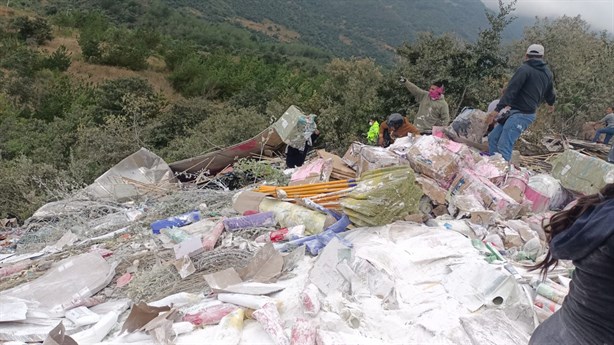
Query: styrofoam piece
{"points": [[97, 332], [178, 300], [247, 301]]}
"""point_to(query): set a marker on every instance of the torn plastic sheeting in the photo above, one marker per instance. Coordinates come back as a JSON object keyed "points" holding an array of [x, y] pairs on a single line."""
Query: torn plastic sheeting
{"points": [[383, 196], [27, 332], [471, 124], [315, 243], [484, 284], [581, 173], [546, 193], [73, 278], [13, 309], [493, 327], [288, 215], [295, 128], [316, 171], [230, 328], [141, 173]]}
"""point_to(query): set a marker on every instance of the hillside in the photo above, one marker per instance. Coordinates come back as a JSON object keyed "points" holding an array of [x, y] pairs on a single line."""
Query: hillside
{"points": [[353, 28]]}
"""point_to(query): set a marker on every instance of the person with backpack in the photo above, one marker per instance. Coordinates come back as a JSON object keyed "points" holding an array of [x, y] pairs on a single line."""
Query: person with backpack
{"points": [[516, 111]]}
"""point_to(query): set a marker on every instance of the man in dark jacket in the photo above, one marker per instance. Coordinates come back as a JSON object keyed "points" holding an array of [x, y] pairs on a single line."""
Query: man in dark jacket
{"points": [[531, 84]]}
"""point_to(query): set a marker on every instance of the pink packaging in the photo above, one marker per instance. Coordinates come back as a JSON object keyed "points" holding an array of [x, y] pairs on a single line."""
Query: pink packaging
{"points": [[269, 318], [310, 301], [303, 333], [210, 315], [210, 239], [541, 203], [492, 197]]}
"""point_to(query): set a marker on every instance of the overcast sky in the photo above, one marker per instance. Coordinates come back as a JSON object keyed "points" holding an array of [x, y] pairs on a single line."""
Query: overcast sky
{"points": [[598, 13]]}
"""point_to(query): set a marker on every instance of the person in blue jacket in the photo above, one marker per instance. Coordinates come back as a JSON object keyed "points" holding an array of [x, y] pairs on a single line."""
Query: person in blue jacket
{"points": [[584, 234]]}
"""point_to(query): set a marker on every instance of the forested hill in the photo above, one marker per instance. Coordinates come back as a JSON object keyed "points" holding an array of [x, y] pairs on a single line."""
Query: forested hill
{"points": [[350, 27]]}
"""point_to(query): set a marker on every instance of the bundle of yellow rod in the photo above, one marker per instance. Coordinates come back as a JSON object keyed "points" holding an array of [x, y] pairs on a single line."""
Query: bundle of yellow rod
{"points": [[326, 194]]}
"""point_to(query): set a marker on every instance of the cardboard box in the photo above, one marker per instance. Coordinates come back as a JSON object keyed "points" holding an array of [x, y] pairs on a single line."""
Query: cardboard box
{"points": [[363, 158], [492, 197], [439, 159]]}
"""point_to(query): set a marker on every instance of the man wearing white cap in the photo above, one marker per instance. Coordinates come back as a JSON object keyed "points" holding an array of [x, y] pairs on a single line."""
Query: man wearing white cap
{"points": [[531, 84]]}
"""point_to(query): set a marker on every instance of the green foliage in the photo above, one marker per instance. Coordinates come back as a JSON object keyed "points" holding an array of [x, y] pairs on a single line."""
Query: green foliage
{"points": [[99, 148], [111, 94], [349, 98], [18, 57], [25, 186], [582, 62], [251, 170], [118, 46], [36, 29], [58, 60], [222, 128]]}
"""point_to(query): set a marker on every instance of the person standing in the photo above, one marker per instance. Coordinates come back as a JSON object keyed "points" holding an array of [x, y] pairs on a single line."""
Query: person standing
{"points": [[373, 131], [531, 84], [433, 109], [608, 120]]}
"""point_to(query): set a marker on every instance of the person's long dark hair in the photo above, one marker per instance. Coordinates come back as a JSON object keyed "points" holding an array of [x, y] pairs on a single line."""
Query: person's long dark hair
{"points": [[564, 219]]}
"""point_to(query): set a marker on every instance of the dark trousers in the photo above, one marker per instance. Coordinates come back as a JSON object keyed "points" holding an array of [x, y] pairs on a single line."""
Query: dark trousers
{"points": [[295, 157]]}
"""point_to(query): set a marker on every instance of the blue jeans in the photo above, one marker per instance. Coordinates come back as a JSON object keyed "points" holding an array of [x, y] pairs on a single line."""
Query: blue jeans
{"points": [[502, 138], [609, 132]]}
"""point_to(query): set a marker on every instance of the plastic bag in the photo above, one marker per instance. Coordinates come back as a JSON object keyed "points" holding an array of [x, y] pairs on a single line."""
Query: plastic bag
{"points": [[383, 196]]}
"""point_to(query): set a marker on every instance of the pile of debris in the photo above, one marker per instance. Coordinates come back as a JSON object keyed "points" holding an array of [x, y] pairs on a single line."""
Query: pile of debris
{"points": [[426, 241]]}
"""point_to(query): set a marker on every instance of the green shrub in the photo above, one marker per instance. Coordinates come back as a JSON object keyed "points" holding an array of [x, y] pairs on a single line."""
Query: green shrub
{"points": [[59, 60], [25, 186], [36, 29]]}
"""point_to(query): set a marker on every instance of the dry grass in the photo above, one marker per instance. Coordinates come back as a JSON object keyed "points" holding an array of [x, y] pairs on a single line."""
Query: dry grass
{"points": [[96, 74], [269, 28]]}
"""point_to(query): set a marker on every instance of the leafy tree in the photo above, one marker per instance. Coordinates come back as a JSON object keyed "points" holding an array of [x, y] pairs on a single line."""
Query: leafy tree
{"points": [[348, 99], [582, 61], [224, 127], [36, 29], [59, 60]]}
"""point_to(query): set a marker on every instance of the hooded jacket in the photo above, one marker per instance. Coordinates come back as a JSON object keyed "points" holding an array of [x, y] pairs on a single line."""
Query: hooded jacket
{"points": [[430, 113], [586, 316], [531, 84], [373, 133], [402, 131]]}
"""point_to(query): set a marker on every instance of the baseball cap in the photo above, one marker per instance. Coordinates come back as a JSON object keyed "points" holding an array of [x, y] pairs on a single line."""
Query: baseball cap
{"points": [[535, 49]]}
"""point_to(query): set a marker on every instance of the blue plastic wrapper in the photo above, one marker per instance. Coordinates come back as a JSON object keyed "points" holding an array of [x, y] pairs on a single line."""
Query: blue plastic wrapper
{"points": [[263, 219], [175, 221], [316, 243]]}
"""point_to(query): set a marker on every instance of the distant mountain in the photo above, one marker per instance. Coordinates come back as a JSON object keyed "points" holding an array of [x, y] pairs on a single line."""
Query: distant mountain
{"points": [[349, 27]]}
